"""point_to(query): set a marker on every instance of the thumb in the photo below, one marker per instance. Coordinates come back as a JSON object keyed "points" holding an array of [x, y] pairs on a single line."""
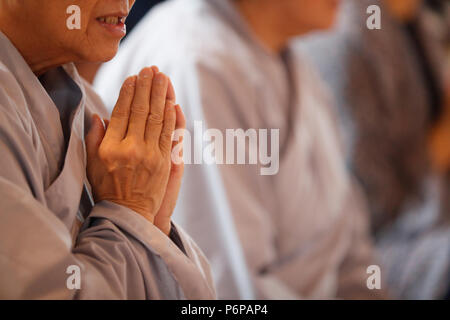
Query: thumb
{"points": [[95, 135]]}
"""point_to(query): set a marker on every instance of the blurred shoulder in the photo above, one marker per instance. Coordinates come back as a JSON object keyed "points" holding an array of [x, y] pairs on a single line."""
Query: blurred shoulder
{"points": [[184, 32]]}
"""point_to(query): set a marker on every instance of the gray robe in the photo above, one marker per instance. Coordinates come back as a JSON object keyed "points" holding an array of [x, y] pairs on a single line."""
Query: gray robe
{"points": [[49, 226], [303, 231]]}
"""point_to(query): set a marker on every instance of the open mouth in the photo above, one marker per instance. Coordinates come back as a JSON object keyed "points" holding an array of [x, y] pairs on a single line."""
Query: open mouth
{"points": [[112, 20], [114, 23]]}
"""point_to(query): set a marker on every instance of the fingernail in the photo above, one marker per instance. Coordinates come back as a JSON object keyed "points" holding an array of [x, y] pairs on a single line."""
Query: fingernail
{"points": [[160, 77], [130, 82], [155, 69], [146, 73]]}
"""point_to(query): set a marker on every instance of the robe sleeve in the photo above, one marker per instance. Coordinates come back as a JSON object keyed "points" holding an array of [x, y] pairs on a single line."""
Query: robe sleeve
{"points": [[118, 253]]}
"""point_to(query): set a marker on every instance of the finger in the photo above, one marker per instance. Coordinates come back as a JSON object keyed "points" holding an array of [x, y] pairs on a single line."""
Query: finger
{"points": [[119, 117], [140, 107], [181, 119], [95, 136], [165, 139], [155, 69], [106, 122], [170, 198], [180, 124], [171, 92], [157, 105]]}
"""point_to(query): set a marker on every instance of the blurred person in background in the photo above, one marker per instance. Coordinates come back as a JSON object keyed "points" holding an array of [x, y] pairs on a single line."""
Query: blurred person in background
{"points": [[303, 230], [394, 115]]}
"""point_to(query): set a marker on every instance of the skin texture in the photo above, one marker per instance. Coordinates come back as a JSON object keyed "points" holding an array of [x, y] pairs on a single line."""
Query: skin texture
{"points": [[287, 18], [129, 158]]}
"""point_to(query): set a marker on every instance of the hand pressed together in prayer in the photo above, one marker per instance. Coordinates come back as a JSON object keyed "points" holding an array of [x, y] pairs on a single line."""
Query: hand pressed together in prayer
{"points": [[129, 159]]}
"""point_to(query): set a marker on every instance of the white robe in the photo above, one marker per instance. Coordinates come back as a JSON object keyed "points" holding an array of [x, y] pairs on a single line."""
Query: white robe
{"points": [[43, 230], [303, 231]]}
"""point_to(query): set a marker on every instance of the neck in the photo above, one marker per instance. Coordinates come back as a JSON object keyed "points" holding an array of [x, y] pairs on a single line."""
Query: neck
{"points": [[88, 70], [270, 34], [39, 57]]}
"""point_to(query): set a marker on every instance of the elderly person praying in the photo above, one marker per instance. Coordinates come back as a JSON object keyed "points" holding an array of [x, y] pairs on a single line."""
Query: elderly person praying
{"points": [[95, 206]]}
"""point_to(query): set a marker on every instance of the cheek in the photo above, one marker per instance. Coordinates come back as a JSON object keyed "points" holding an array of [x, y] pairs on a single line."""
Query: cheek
{"points": [[98, 46]]}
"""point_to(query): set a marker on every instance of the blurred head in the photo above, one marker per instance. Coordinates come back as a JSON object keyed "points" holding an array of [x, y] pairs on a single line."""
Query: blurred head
{"points": [[300, 16], [40, 28], [289, 18], [404, 10]]}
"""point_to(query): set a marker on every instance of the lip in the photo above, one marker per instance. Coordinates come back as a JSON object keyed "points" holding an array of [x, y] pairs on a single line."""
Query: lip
{"points": [[118, 30]]}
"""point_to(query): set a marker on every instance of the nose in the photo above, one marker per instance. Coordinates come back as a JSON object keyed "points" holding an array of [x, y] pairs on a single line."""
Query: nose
{"points": [[130, 4]]}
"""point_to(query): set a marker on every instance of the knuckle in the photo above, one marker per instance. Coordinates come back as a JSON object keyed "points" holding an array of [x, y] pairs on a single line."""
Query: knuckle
{"points": [[134, 151], [166, 135], [155, 119], [156, 164], [103, 154], [107, 157], [170, 112], [120, 113], [140, 108]]}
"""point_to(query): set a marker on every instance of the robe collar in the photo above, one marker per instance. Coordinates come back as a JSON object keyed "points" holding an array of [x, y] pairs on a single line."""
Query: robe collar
{"points": [[236, 21]]}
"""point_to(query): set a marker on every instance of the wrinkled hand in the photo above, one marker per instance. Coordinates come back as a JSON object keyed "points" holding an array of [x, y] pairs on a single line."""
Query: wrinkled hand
{"points": [[129, 162]]}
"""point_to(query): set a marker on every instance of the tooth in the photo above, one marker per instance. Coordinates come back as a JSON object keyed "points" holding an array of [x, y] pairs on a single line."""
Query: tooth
{"points": [[112, 20]]}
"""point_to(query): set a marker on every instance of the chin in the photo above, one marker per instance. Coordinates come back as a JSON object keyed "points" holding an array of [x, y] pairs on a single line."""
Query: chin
{"points": [[105, 54]]}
